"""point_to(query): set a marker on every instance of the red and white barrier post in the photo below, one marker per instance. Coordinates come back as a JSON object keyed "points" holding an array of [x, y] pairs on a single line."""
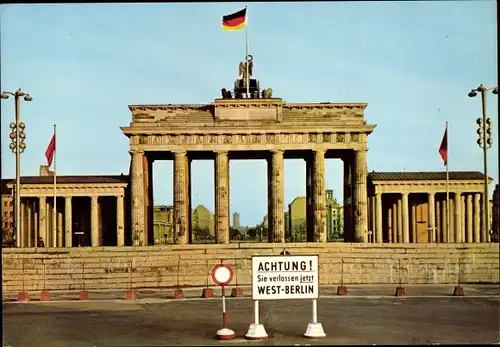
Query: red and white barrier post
{"points": [[222, 275]]}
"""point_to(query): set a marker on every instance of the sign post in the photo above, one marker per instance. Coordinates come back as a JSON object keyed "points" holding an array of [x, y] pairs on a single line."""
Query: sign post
{"points": [[222, 275], [285, 277]]}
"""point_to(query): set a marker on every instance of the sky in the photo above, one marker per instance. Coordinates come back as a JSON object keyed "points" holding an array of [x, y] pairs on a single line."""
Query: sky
{"points": [[412, 62]]}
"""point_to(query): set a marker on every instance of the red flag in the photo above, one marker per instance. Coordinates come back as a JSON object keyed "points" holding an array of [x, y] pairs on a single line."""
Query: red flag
{"points": [[443, 149], [49, 153]]}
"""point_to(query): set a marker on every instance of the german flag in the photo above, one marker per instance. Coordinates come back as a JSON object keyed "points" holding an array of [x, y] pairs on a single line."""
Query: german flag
{"points": [[235, 21]]}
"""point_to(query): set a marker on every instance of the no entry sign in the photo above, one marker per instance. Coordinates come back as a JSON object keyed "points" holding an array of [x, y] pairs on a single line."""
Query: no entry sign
{"points": [[222, 274], [285, 277]]}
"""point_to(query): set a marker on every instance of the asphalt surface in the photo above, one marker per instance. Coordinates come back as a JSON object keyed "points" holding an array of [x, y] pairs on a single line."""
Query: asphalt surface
{"points": [[346, 320]]}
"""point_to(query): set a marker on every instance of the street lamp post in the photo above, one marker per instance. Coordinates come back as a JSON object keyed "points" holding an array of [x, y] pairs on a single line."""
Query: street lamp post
{"points": [[17, 146], [485, 141]]}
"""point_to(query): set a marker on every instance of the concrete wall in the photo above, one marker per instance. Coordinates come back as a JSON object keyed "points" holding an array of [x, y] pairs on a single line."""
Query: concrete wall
{"points": [[161, 266]]}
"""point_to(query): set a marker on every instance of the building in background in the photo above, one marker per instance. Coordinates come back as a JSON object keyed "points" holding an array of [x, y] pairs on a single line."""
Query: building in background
{"points": [[495, 213], [296, 226], [7, 216], [90, 210], [236, 221], [163, 224], [410, 207], [203, 224], [334, 217]]}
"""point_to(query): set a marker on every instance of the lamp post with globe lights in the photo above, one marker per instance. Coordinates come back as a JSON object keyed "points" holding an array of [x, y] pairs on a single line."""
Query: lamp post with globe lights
{"points": [[17, 145], [484, 141]]}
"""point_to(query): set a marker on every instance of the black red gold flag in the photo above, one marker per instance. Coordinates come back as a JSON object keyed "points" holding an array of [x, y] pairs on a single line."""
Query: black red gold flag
{"points": [[235, 21], [443, 149]]}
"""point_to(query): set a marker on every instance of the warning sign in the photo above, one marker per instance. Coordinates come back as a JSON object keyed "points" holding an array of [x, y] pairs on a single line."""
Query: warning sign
{"points": [[285, 277]]}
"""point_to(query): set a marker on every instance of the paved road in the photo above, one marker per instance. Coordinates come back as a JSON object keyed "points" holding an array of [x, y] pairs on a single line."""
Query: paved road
{"points": [[350, 320]]}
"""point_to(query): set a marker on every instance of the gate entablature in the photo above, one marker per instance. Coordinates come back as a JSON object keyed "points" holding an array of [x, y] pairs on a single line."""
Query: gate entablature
{"points": [[246, 124]]}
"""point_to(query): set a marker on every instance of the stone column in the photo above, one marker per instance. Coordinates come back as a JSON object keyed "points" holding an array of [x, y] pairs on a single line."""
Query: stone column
{"points": [[378, 216], [60, 229], [444, 221], [309, 200], [137, 198], [432, 217], [151, 210], [469, 219], [145, 177], [222, 197], [477, 217], [389, 225], [187, 187], [439, 227], [372, 225], [180, 199], [276, 231], [361, 204], [22, 225], [400, 220], [413, 218], [396, 220], [484, 234], [348, 161], [458, 218], [94, 221], [42, 220], [29, 223], [319, 201], [120, 222], [406, 222], [53, 221], [452, 220], [36, 221], [463, 213], [68, 221]]}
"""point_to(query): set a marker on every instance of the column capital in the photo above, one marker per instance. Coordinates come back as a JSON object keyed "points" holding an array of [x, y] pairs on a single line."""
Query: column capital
{"points": [[319, 150], [378, 194], [277, 151], [405, 194], [136, 152], [179, 153], [224, 153], [431, 193]]}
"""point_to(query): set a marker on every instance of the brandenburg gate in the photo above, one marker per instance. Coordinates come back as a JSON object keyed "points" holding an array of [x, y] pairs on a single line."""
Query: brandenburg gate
{"points": [[257, 127]]}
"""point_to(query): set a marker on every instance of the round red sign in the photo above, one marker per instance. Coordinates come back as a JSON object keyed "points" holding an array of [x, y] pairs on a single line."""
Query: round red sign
{"points": [[222, 274]]}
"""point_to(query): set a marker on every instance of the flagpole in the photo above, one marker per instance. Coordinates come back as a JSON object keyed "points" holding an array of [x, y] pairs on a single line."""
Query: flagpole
{"points": [[54, 213], [246, 54], [447, 188]]}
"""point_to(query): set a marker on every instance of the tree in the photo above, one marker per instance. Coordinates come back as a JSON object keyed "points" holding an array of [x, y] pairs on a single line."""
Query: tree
{"points": [[201, 234], [252, 232], [7, 237]]}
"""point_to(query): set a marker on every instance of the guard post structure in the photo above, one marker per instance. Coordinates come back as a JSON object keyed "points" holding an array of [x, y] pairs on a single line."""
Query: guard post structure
{"points": [[285, 277]]}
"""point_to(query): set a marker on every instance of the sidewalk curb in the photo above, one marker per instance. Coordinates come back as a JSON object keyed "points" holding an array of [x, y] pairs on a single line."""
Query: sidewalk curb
{"points": [[339, 297]]}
